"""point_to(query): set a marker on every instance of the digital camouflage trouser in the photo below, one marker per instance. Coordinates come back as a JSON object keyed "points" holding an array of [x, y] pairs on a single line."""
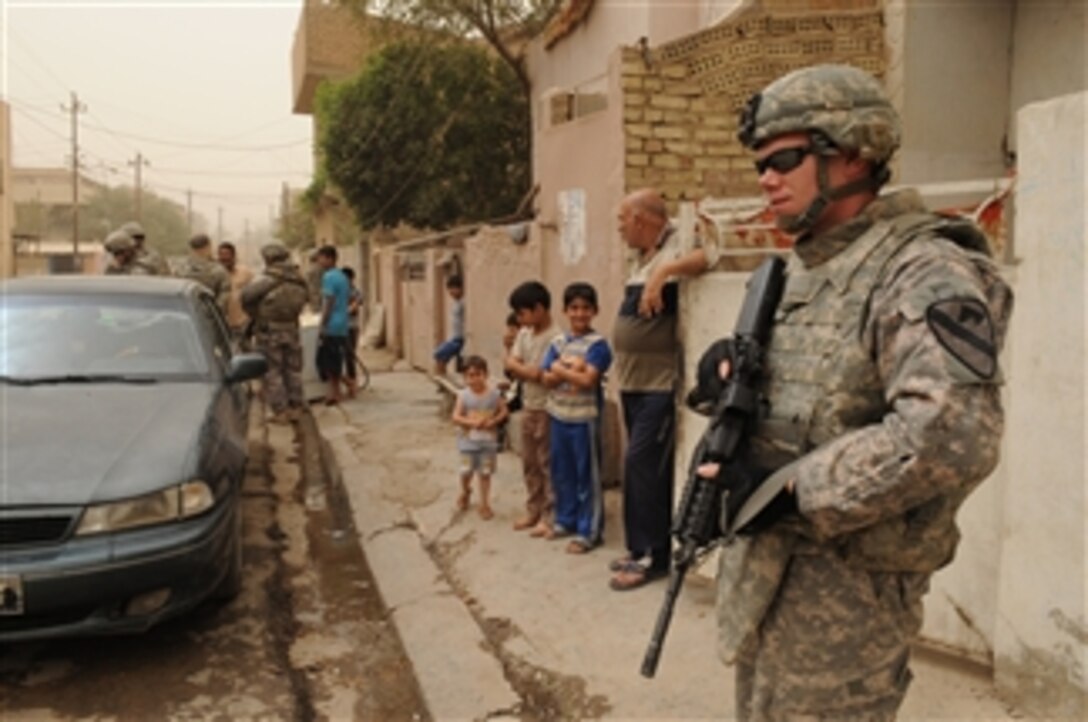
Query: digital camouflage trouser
{"points": [[283, 382]]}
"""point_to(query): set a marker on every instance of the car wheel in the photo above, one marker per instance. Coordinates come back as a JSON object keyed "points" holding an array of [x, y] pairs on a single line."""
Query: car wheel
{"points": [[231, 585]]}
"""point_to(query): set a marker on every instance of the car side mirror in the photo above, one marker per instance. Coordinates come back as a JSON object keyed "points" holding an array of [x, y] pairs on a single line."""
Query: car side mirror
{"points": [[246, 366]]}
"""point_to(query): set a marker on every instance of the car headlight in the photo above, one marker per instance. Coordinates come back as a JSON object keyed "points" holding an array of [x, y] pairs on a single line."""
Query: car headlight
{"points": [[177, 502]]}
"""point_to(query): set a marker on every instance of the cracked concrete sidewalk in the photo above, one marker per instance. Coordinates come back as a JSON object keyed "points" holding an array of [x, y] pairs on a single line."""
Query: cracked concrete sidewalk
{"points": [[501, 625]]}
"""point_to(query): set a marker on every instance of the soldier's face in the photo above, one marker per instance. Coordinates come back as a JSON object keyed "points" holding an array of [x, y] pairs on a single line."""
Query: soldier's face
{"points": [[789, 190]]}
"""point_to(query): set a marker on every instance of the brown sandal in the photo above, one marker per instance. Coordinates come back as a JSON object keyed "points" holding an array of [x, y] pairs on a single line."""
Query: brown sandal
{"points": [[577, 546], [634, 576]]}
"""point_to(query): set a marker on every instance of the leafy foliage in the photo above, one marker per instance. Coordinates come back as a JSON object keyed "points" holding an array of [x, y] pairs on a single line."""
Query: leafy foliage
{"points": [[106, 210], [427, 134], [296, 227], [506, 25]]}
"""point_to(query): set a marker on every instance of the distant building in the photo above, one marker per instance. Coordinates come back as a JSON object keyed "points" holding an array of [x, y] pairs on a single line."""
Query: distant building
{"points": [[42, 225]]}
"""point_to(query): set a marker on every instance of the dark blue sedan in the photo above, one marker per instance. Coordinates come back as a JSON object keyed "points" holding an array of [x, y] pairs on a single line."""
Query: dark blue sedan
{"points": [[123, 422]]}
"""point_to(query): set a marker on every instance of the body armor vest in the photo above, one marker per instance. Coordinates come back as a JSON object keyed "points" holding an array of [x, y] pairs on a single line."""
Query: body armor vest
{"points": [[284, 301], [821, 378]]}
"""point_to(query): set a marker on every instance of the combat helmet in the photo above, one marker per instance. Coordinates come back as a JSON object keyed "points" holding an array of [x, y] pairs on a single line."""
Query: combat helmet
{"points": [[119, 241], [274, 253], [846, 105], [842, 109], [134, 230]]}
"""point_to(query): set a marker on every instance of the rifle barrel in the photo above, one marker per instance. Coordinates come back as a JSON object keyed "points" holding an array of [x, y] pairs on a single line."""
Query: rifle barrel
{"points": [[664, 616]]}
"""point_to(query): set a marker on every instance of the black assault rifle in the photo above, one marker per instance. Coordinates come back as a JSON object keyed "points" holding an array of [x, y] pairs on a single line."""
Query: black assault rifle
{"points": [[699, 522]]}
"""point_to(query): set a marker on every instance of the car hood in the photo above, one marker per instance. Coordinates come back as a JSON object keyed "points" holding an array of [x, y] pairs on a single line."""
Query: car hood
{"points": [[82, 443]]}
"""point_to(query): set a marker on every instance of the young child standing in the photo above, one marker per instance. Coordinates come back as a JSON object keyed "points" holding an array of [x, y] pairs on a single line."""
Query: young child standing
{"points": [[478, 412], [574, 366], [455, 341], [531, 303]]}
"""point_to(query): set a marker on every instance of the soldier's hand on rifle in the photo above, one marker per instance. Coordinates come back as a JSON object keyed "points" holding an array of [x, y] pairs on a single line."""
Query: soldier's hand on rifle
{"points": [[708, 470]]}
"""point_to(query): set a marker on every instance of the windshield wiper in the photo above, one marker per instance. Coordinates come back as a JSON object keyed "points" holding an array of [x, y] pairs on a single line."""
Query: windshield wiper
{"points": [[77, 379]]}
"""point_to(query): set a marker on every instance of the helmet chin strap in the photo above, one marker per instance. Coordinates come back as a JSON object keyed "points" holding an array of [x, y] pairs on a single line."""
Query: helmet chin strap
{"points": [[797, 224]]}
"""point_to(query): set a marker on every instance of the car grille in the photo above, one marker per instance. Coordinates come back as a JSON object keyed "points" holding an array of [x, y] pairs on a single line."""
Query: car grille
{"points": [[21, 530]]}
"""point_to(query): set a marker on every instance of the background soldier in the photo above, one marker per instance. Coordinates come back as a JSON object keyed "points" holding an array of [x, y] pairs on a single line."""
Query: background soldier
{"points": [[274, 302], [200, 267], [151, 258], [123, 259], [882, 410]]}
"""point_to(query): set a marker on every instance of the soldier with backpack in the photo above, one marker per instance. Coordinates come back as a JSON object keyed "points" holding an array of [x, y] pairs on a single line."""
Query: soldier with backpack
{"points": [[274, 301]]}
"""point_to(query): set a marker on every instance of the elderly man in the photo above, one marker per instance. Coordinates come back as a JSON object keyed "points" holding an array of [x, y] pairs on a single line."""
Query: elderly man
{"points": [[647, 369]]}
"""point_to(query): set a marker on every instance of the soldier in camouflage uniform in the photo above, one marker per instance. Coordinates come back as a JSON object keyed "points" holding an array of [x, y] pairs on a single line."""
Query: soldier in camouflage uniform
{"points": [[200, 267], [882, 411], [123, 260], [274, 301], [149, 257]]}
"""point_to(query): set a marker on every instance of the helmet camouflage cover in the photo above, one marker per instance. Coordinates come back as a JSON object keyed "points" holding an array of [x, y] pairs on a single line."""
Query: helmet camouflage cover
{"points": [[274, 252], [133, 229], [847, 105], [119, 241]]}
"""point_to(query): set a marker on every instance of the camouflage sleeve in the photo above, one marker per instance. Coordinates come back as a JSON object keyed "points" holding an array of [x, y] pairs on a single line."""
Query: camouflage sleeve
{"points": [[935, 329], [254, 292]]}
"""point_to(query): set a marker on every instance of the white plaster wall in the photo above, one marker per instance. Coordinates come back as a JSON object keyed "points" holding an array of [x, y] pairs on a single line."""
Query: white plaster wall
{"points": [[583, 55], [949, 76], [1050, 52], [1042, 635]]}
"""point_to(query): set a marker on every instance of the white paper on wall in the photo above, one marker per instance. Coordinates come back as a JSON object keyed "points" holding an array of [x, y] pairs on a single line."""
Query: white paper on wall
{"points": [[572, 225]]}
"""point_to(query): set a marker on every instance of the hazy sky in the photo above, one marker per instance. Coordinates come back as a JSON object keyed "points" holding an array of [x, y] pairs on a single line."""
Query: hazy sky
{"points": [[202, 89]]}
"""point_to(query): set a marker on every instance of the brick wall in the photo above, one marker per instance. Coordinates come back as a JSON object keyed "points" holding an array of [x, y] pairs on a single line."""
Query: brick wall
{"points": [[681, 100]]}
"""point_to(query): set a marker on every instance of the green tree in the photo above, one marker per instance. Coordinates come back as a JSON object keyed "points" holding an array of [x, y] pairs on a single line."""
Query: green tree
{"points": [[506, 25], [164, 220], [106, 210], [428, 134]]}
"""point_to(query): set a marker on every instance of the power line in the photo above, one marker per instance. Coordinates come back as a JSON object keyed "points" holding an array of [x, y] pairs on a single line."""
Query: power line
{"points": [[201, 146]]}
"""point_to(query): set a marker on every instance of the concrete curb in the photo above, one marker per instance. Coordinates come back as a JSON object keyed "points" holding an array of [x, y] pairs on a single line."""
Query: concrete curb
{"points": [[428, 615]]}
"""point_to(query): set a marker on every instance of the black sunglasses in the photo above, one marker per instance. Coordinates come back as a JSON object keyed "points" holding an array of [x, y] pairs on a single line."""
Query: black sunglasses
{"points": [[783, 161]]}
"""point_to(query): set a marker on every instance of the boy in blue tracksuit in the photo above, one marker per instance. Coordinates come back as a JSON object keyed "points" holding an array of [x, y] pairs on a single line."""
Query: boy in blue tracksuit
{"points": [[574, 366]]}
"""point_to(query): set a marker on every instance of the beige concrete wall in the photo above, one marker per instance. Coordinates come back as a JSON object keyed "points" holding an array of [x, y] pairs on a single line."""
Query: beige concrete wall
{"points": [[1041, 642], [387, 293], [584, 55], [494, 266], [950, 66], [585, 154], [7, 207], [1049, 53]]}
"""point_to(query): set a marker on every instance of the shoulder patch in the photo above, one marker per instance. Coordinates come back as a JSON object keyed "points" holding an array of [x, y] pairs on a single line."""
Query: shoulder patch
{"points": [[963, 326]]}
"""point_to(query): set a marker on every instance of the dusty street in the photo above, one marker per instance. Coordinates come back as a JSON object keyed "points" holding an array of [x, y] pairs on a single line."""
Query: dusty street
{"points": [[308, 638]]}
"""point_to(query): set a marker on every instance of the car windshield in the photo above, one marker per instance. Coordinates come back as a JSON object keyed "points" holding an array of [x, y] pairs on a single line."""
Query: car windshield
{"points": [[76, 338]]}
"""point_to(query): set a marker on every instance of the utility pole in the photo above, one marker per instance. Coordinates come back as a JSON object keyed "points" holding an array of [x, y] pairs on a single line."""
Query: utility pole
{"points": [[189, 209], [139, 164], [75, 109], [219, 228]]}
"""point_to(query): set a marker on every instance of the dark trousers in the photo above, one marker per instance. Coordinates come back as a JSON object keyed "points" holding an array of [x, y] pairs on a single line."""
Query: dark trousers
{"points": [[647, 474]]}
